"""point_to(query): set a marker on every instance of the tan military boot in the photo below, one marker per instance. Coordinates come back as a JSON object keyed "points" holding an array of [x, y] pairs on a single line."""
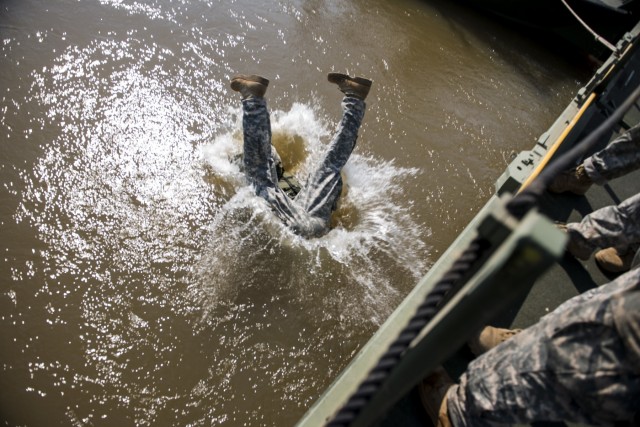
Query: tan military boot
{"points": [[358, 87], [490, 337], [433, 394], [574, 180], [249, 86], [613, 261]]}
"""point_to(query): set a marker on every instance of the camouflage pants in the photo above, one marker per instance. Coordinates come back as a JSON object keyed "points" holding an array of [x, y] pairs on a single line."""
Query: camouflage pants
{"points": [[620, 157], [309, 213], [580, 363], [612, 226]]}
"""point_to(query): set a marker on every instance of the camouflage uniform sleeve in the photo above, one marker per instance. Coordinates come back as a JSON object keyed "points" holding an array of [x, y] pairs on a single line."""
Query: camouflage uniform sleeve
{"points": [[578, 364], [618, 158], [612, 226]]}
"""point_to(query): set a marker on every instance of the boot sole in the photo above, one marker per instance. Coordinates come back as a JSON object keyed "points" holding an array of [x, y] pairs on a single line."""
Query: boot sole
{"points": [[338, 77], [433, 390], [237, 80]]}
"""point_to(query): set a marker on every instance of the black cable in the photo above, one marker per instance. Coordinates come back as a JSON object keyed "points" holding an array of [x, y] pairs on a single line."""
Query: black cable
{"points": [[530, 196]]}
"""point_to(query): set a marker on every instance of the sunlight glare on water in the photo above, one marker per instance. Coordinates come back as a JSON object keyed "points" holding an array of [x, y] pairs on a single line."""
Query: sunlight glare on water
{"points": [[144, 282]]}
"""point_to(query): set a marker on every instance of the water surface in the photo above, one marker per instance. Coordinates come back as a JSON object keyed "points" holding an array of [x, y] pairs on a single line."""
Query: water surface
{"points": [[143, 283]]}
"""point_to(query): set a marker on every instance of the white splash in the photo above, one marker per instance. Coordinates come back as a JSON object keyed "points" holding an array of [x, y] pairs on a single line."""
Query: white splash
{"points": [[374, 237]]}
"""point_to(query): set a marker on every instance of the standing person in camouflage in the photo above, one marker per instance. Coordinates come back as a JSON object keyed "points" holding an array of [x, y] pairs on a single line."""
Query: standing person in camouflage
{"points": [[309, 213], [580, 363], [619, 157]]}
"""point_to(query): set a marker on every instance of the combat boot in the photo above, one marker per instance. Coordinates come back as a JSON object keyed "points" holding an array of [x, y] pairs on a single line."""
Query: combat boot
{"points": [[613, 261], [433, 394], [574, 180], [490, 337], [249, 86], [357, 87], [577, 245]]}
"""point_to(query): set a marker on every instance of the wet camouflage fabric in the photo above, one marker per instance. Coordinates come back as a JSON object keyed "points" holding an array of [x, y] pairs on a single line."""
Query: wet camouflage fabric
{"points": [[287, 181], [620, 157], [289, 184], [309, 213], [612, 226], [580, 363]]}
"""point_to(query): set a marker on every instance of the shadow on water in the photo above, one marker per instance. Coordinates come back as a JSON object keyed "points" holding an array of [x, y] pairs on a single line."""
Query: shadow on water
{"points": [[515, 43]]}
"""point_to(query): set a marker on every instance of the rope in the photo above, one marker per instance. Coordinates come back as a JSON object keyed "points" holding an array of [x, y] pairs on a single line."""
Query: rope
{"points": [[584, 24], [424, 314]]}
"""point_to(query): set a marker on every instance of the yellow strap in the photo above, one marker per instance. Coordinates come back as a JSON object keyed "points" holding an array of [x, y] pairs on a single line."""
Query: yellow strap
{"points": [[556, 145], [560, 140]]}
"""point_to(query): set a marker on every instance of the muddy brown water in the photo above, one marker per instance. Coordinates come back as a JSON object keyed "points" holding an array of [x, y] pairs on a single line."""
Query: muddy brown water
{"points": [[141, 281]]}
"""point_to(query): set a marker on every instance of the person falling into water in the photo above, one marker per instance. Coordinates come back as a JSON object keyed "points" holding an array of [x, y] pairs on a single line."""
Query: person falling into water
{"points": [[309, 213]]}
